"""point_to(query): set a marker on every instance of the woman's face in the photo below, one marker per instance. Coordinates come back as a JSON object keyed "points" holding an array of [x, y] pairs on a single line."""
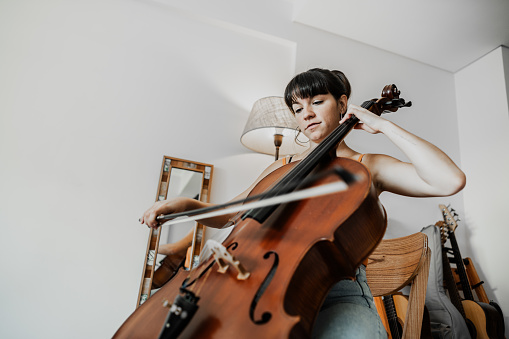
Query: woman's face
{"points": [[318, 116]]}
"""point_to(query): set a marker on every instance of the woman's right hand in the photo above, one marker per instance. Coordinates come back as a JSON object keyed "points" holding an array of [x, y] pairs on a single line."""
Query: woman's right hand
{"points": [[175, 205]]}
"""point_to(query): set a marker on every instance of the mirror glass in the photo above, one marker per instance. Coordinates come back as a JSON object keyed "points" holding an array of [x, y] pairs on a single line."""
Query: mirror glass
{"points": [[183, 183]]}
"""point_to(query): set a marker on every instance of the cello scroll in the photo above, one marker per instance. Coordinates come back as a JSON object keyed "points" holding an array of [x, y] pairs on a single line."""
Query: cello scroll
{"points": [[389, 101]]}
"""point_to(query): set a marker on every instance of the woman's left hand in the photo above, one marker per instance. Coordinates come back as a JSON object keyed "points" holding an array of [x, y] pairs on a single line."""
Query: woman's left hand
{"points": [[369, 121]]}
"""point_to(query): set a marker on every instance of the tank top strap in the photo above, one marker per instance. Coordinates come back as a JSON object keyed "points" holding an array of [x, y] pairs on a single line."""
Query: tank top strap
{"points": [[287, 159]]}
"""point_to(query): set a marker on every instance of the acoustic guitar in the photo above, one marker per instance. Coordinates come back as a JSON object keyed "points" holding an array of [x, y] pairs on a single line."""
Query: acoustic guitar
{"points": [[487, 320], [396, 306], [477, 285]]}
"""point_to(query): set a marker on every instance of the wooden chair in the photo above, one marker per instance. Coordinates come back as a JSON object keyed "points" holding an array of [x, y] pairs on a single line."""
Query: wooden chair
{"points": [[396, 263]]}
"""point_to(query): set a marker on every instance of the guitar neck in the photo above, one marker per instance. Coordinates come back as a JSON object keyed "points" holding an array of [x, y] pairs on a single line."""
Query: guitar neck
{"points": [[451, 284], [458, 260]]}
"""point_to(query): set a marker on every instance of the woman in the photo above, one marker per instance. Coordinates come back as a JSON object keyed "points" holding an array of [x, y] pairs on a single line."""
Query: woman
{"points": [[319, 100]]}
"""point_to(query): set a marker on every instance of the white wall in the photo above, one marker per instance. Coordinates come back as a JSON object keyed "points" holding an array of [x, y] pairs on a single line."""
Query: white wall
{"points": [[94, 93], [483, 117]]}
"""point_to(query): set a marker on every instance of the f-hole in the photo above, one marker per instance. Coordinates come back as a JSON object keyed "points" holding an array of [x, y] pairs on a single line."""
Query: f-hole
{"points": [[266, 315]]}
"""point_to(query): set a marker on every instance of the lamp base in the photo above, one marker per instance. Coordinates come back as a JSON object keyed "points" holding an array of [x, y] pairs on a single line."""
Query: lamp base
{"points": [[278, 140]]}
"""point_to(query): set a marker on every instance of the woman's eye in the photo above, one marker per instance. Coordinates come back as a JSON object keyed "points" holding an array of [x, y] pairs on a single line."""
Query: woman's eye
{"points": [[317, 102]]}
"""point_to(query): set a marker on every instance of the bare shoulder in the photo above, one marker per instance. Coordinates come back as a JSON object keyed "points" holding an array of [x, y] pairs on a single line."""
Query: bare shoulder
{"points": [[379, 161], [381, 166]]}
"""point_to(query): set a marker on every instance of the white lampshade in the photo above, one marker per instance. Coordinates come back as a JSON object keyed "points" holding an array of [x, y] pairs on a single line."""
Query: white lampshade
{"points": [[270, 116]]}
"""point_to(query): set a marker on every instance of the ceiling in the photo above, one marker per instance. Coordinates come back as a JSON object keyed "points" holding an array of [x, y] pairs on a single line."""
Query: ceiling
{"points": [[447, 34]]}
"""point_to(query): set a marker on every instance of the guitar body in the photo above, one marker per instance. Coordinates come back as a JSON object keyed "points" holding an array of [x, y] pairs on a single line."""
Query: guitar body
{"points": [[401, 305], [393, 311], [486, 318], [477, 285], [500, 314]]}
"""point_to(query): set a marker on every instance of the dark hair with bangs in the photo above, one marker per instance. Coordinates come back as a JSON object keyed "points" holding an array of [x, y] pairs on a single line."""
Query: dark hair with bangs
{"points": [[314, 82]]}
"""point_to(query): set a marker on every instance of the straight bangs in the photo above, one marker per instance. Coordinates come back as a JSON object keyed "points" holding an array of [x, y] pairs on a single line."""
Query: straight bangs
{"points": [[305, 85]]}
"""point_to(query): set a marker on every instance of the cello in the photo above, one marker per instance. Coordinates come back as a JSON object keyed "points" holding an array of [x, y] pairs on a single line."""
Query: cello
{"points": [[288, 256]]}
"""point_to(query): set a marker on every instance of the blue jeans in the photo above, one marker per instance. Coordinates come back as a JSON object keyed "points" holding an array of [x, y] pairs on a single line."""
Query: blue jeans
{"points": [[349, 312]]}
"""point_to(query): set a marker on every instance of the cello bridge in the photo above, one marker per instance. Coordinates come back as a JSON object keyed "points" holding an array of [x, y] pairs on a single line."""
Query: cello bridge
{"points": [[224, 259]]}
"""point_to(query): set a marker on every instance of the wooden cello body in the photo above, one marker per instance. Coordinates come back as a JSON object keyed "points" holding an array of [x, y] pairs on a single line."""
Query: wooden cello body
{"points": [[288, 256], [294, 257]]}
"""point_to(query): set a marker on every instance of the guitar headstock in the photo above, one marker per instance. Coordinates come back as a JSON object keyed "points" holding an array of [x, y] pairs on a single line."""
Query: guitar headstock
{"points": [[443, 231], [450, 219]]}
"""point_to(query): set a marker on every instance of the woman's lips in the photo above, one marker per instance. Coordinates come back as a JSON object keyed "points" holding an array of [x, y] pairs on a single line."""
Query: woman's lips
{"points": [[313, 125]]}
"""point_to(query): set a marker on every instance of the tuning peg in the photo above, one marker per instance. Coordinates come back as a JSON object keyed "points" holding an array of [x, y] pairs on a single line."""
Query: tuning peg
{"points": [[166, 303]]}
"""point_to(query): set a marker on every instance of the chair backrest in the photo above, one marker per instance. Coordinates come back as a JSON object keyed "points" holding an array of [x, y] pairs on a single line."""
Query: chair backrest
{"points": [[396, 263]]}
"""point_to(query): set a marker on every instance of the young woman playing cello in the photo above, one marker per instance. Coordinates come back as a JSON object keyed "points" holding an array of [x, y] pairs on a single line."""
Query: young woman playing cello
{"points": [[319, 100]]}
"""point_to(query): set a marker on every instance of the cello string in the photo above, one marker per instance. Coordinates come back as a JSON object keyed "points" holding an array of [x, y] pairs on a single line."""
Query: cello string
{"points": [[203, 282]]}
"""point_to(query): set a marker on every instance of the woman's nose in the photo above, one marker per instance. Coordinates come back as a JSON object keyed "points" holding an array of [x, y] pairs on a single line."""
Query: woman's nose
{"points": [[308, 112]]}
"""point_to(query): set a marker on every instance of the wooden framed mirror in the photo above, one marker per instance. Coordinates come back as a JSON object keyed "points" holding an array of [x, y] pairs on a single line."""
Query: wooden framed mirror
{"points": [[178, 178]]}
